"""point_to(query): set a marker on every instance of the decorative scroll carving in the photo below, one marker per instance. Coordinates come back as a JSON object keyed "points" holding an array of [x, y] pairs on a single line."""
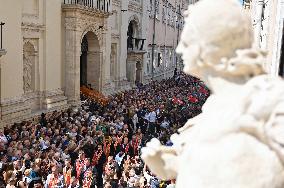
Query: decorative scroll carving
{"points": [[133, 6], [70, 23], [116, 3]]}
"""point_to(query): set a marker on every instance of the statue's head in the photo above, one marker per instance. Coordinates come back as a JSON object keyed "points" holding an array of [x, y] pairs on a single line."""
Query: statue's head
{"points": [[214, 31]]}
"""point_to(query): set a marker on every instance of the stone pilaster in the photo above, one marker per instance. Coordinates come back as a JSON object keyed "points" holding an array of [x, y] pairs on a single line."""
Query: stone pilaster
{"points": [[72, 62], [94, 75], [131, 72]]}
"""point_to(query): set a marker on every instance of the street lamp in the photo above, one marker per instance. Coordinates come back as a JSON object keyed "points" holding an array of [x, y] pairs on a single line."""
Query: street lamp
{"points": [[1, 25], [3, 51]]}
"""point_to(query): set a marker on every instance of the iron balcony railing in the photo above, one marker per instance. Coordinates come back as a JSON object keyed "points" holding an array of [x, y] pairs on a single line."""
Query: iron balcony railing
{"points": [[135, 44], [102, 5]]}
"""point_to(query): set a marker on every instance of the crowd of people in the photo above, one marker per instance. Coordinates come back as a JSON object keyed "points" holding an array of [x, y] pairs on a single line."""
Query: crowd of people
{"points": [[99, 145]]}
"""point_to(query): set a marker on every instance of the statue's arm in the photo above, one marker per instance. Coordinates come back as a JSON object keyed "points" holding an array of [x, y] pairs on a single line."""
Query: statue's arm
{"points": [[190, 123], [161, 160]]}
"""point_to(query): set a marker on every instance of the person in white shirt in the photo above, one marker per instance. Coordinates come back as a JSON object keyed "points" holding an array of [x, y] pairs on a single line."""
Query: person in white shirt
{"points": [[118, 125], [152, 121], [119, 157], [147, 117], [26, 179], [3, 138], [135, 121], [152, 116], [165, 124]]}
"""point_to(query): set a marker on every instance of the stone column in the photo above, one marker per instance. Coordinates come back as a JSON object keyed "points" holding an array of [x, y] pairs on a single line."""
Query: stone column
{"points": [[94, 69], [72, 60], [107, 84], [124, 16], [91, 68], [139, 70], [107, 50], [131, 71]]}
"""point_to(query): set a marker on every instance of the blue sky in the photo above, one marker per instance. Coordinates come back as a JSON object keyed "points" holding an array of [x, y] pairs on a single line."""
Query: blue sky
{"points": [[241, 1]]}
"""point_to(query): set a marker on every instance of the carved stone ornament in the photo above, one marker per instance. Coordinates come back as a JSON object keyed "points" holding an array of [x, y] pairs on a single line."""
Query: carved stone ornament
{"points": [[32, 30], [238, 139], [27, 73], [116, 3], [94, 27], [83, 23], [135, 7]]}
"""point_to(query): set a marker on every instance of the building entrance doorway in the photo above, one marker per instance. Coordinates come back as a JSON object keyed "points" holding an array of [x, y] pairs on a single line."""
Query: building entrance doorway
{"points": [[83, 62], [90, 62]]}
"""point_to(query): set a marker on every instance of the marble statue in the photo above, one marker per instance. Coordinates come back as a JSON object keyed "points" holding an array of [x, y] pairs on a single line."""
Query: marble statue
{"points": [[238, 139]]}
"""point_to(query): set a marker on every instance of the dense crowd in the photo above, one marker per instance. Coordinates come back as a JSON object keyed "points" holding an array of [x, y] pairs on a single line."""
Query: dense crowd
{"points": [[99, 145]]}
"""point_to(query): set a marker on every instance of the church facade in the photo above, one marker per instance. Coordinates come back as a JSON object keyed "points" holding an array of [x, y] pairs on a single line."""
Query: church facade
{"points": [[52, 48]]}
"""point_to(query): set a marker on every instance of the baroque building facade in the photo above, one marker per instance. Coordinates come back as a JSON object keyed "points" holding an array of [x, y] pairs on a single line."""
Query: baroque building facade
{"points": [[52, 48], [163, 34], [267, 19]]}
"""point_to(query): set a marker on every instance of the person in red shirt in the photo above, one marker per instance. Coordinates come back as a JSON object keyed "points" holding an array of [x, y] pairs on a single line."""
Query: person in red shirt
{"points": [[98, 161], [67, 172], [80, 163]]}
